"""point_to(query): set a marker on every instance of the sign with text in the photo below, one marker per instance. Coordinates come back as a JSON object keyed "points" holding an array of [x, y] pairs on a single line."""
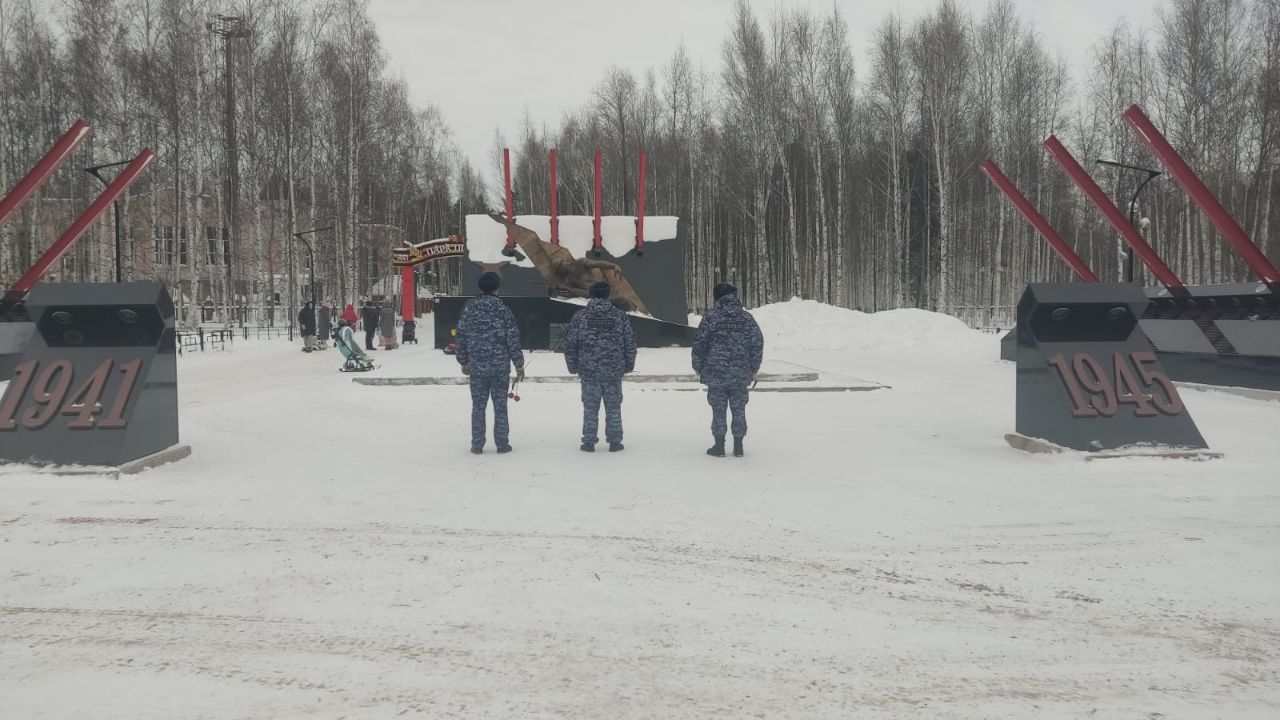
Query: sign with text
{"points": [[97, 383], [1087, 376], [418, 253]]}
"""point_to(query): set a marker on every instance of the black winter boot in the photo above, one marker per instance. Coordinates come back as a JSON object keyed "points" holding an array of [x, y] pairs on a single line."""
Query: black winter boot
{"points": [[737, 447], [717, 450], [504, 449], [615, 447], [587, 447]]}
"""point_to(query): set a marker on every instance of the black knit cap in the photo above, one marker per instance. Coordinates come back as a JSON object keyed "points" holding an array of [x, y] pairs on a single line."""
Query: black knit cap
{"points": [[600, 290], [723, 289], [489, 283]]}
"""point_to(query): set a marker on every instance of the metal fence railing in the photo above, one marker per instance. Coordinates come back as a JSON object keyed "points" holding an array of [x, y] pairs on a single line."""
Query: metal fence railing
{"points": [[201, 339], [988, 318], [266, 332]]}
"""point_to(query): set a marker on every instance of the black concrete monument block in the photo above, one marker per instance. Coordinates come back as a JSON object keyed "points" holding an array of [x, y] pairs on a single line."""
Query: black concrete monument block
{"points": [[97, 384], [1088, 377], [658, 278], [538, 318]]}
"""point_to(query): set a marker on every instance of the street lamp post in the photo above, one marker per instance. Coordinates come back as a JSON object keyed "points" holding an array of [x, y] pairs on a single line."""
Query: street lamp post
{"points": [[230, 28], [94, 171], [311, 259], [1133, 206]]}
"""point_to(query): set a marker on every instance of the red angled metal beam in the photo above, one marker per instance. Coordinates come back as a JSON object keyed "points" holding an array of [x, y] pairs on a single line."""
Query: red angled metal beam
{"points": [[596, 241], [555, 197], [640, 206], [506, 184], [1038, 221], [82, 223], [1205, 200], [41, 171], [1115, 217]]}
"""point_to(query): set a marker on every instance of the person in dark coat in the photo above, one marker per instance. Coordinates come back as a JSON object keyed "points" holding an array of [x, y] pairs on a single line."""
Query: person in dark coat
{"points": [[324, 325], [369, 316], [307, 326], [600, 347], [387, 323], [488, 345], [727, 353]]}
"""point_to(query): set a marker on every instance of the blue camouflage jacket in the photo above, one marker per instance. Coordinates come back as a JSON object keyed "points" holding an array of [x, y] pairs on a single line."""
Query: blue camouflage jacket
{"points": [[488, 337], [600, 344], [729, 346]]}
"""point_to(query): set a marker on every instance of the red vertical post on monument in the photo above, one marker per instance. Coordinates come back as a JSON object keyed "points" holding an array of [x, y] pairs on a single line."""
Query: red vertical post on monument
{"points": [[596, 241], [408, 294], [644, 164], [506, 184], [1205, 200], [555, 200]]}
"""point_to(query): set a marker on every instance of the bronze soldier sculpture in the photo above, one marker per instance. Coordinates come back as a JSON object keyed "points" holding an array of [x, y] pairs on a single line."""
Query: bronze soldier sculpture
{"points": [[568, 276]]}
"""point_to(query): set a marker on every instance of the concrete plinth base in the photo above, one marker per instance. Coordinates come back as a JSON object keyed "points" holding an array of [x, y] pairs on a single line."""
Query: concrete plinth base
{"points": [[164, 457], [1041, 446], [797, 388], [1032, 445], [1155, 452]]}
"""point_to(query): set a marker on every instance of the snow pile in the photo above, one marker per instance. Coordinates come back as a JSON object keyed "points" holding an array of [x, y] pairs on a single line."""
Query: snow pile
{"points": [[810, 325]]}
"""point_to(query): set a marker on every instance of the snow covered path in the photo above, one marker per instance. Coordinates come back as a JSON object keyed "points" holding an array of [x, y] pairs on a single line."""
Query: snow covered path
{"points": [[332, 550]]}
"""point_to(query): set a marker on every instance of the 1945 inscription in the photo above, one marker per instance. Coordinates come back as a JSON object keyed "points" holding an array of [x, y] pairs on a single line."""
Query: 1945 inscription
{"points": [[1098, 388]]}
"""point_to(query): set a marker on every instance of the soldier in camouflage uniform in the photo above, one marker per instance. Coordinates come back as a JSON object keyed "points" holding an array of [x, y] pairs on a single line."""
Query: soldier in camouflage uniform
{"points": [[600, 347], [727, 354], [488, 344]]}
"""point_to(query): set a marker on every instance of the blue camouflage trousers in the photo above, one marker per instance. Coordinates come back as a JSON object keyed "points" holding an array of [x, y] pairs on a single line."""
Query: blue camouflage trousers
{"points": [[593, 392], [482, 390], [733, 399]]}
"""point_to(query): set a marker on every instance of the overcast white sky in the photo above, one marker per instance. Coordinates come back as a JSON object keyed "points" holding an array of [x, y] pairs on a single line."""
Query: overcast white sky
{"points": [[484, 61]]}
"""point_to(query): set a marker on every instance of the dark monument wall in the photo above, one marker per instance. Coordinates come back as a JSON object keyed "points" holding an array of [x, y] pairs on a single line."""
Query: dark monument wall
{"points": [[539, 317], [657, 277]]}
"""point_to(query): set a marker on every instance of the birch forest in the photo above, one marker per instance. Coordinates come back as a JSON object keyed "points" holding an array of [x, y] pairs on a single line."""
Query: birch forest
{"points": [[797, 168], [798, 173], [323, 137]]}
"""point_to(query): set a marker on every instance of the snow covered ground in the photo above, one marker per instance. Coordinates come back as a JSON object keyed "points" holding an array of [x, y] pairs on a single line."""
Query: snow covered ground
{"points": [[332, 550]]}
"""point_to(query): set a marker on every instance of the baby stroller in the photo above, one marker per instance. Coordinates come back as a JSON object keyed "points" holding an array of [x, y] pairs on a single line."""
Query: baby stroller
{"points": [[356, 360]]}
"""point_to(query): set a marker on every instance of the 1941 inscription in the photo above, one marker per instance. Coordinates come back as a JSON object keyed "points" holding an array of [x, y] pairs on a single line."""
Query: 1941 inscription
{"points": [[53, 391]]}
